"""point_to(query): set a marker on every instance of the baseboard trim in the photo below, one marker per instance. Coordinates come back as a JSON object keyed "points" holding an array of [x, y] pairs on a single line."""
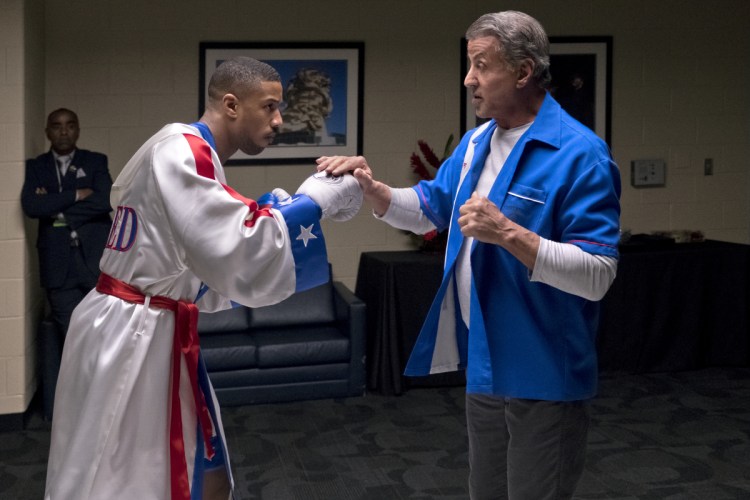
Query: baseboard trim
{"points": [[14, 422]]}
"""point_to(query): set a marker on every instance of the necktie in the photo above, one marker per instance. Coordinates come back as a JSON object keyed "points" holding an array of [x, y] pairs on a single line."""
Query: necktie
{"points": [[62, 166]]}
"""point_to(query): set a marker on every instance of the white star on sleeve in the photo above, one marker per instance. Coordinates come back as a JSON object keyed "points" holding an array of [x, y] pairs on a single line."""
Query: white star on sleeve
{"points": [[305, 234]]}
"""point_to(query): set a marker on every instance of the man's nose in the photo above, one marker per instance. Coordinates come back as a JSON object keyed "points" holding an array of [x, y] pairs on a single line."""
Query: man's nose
{"points": [[470, 80]]}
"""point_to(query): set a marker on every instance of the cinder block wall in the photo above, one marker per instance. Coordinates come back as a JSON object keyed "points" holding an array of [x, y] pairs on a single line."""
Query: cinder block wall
{"points": [[679, 94], [21, 107]]}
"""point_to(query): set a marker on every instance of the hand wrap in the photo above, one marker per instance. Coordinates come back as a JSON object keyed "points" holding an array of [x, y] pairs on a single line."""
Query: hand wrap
{"points": [[339, 198]]}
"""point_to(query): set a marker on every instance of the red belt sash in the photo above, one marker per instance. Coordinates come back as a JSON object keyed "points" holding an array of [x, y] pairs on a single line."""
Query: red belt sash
{"points": [[185, 342]]}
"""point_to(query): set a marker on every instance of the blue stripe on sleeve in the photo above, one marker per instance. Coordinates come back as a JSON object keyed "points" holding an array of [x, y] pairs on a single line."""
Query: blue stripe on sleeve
{"points": [[302, 217]]}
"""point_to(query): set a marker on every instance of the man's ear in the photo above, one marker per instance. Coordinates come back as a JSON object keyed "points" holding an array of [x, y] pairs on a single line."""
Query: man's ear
{"points": [[525, 72], [229, 105]]}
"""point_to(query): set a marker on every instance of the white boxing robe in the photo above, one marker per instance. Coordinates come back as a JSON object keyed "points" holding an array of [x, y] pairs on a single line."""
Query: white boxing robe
{"points": [[176, 226]]}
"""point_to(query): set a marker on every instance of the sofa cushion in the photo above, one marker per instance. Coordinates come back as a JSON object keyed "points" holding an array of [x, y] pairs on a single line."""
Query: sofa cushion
{"points": [[314, 306], [280, 376], [229, 320], [300, 346], [229, 351]]}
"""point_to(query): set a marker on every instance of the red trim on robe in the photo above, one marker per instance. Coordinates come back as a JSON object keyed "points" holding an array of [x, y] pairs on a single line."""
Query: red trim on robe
{"points": [[205, 168], [185, 343]]}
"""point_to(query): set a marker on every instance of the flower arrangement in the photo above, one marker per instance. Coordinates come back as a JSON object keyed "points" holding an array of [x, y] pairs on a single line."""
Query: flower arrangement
{"points": [[418, 166], [432, 241]]}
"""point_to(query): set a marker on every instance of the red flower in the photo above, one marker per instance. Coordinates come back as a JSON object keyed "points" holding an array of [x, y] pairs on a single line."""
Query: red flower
{"points": [[418, 166], [429, 154]]}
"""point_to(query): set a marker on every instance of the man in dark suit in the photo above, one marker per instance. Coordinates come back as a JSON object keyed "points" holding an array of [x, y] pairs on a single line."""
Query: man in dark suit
{"points": [[67, 190]]}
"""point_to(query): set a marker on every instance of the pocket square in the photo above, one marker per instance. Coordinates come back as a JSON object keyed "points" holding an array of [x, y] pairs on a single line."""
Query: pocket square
{"points": [[80, 173]]}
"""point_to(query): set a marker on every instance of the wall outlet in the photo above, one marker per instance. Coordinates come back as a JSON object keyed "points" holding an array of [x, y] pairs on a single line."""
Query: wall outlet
{"points": [[708, 166], [648, 173]]}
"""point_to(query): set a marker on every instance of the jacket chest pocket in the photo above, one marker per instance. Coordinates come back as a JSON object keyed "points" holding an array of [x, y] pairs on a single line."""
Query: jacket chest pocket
{"points": [[524, 205]]}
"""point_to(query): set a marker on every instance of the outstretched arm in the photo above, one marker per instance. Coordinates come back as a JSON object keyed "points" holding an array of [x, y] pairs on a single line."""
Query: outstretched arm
{"points": [[375, 192]]}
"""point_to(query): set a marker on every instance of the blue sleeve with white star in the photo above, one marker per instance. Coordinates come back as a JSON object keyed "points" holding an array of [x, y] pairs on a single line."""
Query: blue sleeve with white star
{"points": [[302, 216]]}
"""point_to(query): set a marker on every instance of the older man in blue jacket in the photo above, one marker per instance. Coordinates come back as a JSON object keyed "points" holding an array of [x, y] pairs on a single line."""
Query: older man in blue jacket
{"points": [[531, 200]]}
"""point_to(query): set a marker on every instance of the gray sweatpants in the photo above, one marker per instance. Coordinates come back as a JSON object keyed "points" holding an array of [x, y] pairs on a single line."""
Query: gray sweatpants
{"points": [[522, 449]]}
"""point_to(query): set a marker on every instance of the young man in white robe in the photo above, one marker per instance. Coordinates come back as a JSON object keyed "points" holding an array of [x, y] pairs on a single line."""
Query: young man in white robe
{"points": [[135, 414]]}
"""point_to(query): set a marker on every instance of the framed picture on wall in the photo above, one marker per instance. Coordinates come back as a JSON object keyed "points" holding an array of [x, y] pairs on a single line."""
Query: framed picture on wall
{"points": [[322, 108], [581, 68]]}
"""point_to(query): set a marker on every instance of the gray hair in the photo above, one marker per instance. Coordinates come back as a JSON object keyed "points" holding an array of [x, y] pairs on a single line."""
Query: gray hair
{"points": [[520, 37], [238, 76]]}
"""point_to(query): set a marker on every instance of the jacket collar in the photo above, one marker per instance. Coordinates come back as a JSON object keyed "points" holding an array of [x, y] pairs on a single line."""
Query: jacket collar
{"points": [[54, 156], [546, 127]]}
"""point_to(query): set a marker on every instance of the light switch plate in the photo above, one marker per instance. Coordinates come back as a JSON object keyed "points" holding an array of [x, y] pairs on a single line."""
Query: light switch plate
{"points": [[648, 173]]}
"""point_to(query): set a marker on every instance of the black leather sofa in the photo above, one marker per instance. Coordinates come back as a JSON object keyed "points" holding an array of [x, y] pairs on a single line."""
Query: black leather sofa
{"points": [[310, 346]]}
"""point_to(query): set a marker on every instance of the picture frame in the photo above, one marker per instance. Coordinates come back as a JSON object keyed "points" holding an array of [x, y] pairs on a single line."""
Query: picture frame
{"points": [[323, 96], [588, 57]]}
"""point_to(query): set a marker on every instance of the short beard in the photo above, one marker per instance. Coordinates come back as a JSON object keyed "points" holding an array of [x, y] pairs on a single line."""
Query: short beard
{"points": [[252, 149]]}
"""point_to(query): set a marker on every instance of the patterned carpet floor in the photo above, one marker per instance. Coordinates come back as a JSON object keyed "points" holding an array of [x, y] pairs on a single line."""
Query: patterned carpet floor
{"points": [[655, 436]]}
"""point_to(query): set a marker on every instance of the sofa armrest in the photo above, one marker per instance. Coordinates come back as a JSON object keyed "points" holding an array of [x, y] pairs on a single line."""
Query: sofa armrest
{"points": [[344, 301], [351, 314]]}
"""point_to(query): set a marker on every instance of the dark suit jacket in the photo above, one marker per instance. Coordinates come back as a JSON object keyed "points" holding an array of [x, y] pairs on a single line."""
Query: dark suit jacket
{"points": [[90, 218]]}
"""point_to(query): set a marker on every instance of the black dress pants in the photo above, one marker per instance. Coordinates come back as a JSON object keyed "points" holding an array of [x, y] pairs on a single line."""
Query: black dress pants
{"points": [[79, 281]]}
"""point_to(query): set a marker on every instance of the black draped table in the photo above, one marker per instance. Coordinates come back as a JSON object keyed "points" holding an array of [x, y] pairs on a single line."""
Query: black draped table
{"points": [[398, 289], [672, 307], [677, 307]]}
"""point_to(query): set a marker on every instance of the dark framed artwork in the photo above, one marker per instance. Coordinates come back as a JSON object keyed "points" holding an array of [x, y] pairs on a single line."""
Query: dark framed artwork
{"points": [[581, 68], [322, 107]]}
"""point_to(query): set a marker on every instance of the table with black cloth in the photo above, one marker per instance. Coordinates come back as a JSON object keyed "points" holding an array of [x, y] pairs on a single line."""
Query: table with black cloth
{"points": [[672, 307], [398, 289], [676, 307]]}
